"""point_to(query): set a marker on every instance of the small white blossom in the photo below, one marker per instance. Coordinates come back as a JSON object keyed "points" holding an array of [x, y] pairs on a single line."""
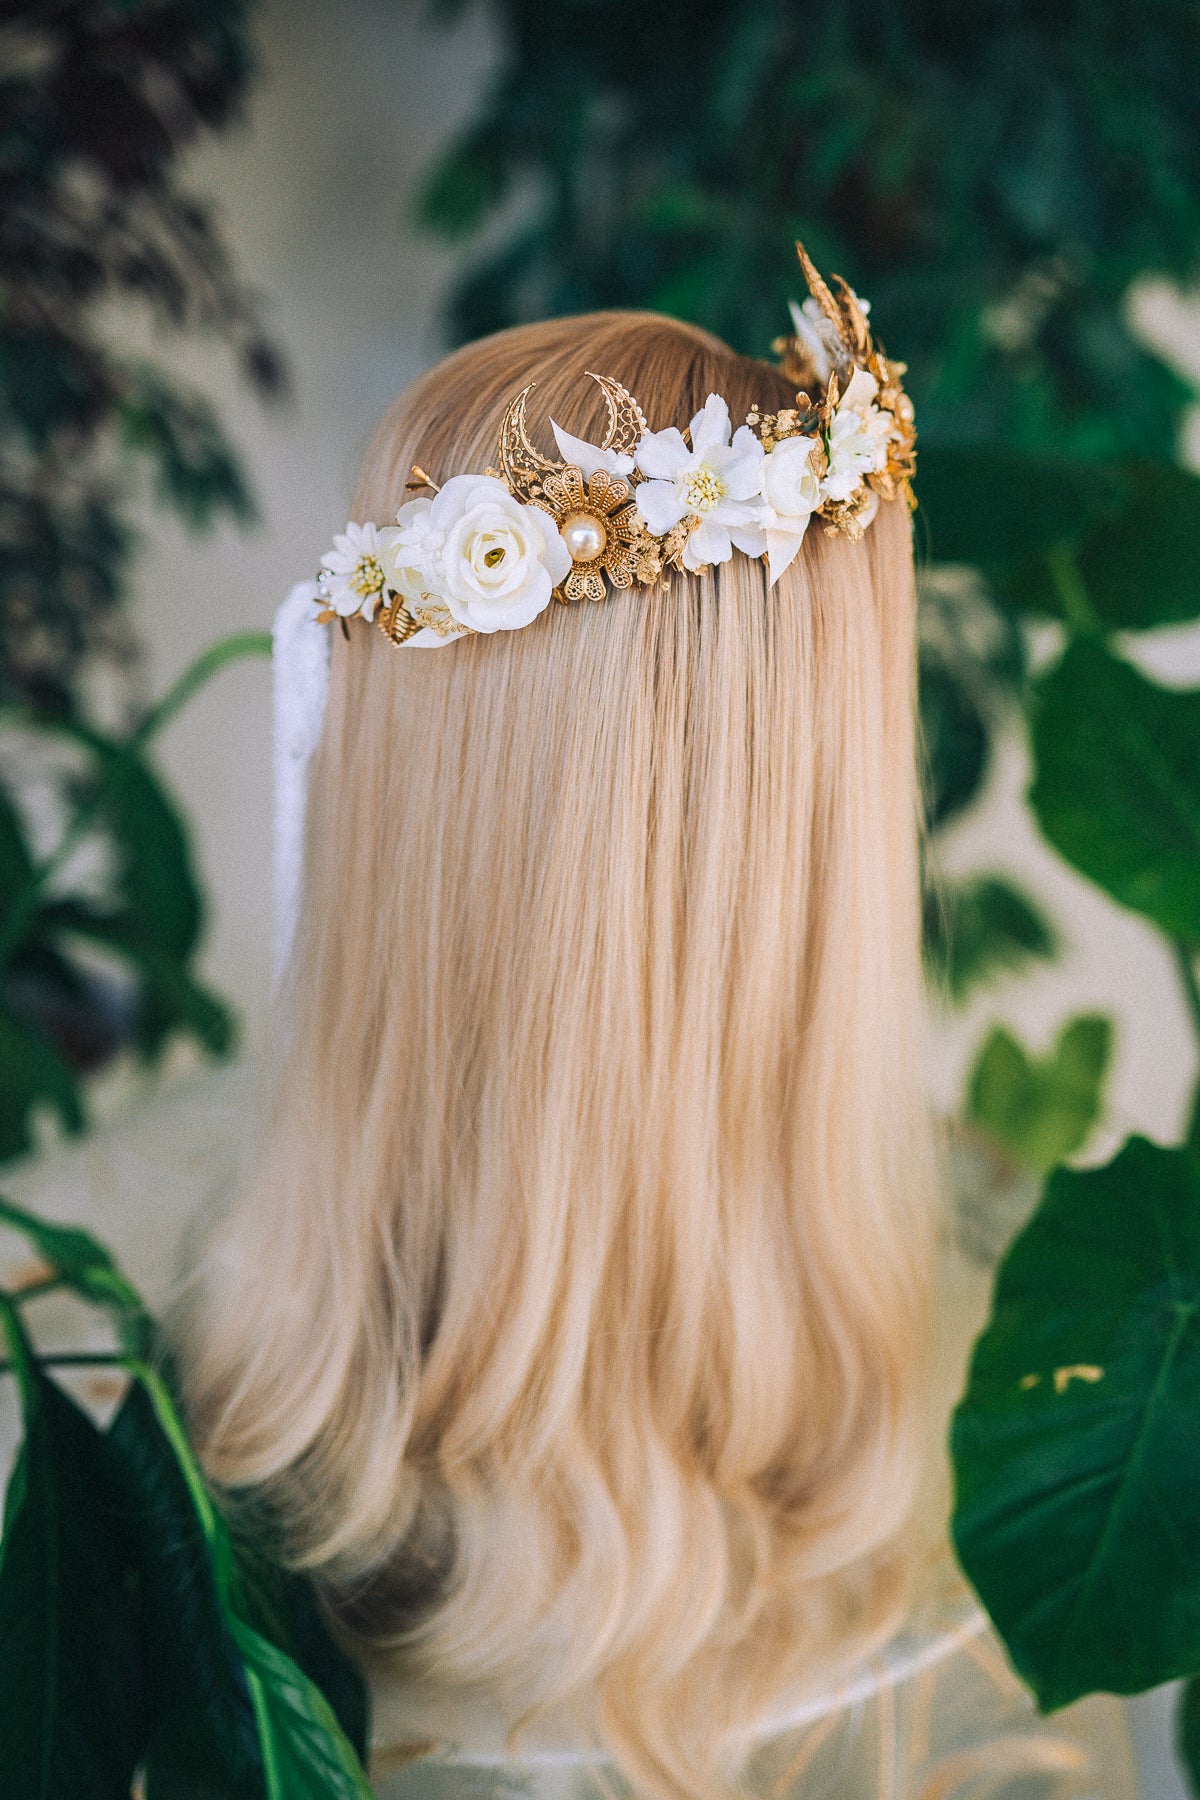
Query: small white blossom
{"points": [[352, 577], [490, 561], [858, 437], [717, 481], [791, 494]]}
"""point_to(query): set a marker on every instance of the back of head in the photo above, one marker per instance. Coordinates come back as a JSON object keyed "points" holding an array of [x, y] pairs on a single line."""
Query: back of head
{"points": [[573, 1318]]}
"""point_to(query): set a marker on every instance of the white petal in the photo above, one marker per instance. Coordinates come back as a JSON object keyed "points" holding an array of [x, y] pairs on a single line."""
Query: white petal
{"points": [[743, 475], [737, 512], [660, 505], [587, 458], [782, 548], [751, 540], [662, 454], [861, 391], [709, 543], [710, 425], [427, 639]]}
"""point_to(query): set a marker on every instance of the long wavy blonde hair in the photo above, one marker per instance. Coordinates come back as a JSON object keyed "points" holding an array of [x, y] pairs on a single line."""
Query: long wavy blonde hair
{"points": [[573, 1318]]}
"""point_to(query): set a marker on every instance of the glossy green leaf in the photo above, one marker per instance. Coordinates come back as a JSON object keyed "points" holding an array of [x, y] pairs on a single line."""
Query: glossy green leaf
{"points": [[32, 1074], [72, 1680], [977, 929], [1041, 1110], [290, 1746], [155, 876], [1187, 1731], [1076, 1447], [1117, 783], [1139, 566], [86, 1266], [989, 505]]}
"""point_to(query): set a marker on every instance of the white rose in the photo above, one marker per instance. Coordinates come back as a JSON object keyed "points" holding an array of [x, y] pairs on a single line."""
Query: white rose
{"points": [[792, 493], [498, 561]]}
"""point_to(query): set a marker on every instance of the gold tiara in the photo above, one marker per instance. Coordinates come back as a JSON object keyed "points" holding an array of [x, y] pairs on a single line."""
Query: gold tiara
{"points": [[488, 552]]}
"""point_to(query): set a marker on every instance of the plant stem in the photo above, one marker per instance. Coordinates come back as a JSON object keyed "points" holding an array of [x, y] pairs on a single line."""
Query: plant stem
{"points": [[69, 1359], [19, 916], [1077, 607], [207, 664]]}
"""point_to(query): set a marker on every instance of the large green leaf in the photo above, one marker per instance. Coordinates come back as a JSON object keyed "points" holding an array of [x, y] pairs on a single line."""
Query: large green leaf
{"points": [[72, 1680], [155, 874], [976, 929], [1187, 1731], [202, 1738], [32, 1074], [988, 504], [1117, 783], [1139, 566], [1077, 1444], [1041, 1109]]}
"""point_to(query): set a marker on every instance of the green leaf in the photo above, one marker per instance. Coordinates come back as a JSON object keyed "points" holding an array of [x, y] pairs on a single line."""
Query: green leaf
{"points": [[203, 1739], [1117, 783], [155, 874], [1139, 567], [990, 505], [72, 1683], [1041, 1109], [290, 1746], [1076, 1447], [32, 1074], [955, 736], [81, 1260], [1187, 1731], [16, 862], [980, 928]]}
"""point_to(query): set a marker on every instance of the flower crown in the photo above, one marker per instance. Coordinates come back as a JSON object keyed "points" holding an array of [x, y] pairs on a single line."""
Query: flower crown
{"points": [[488, 552]]}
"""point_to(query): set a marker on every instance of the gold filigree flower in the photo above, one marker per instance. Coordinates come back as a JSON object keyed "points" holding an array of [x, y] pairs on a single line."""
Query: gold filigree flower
{"points": [[598, 523]]}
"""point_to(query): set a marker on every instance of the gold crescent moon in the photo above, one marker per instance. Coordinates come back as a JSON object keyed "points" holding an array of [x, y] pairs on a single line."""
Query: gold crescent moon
{"points": [[514, 452], [626, 421]]}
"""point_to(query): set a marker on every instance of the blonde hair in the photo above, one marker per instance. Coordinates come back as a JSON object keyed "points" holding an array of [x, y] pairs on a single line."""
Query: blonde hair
{"points": [[573, 1320]]}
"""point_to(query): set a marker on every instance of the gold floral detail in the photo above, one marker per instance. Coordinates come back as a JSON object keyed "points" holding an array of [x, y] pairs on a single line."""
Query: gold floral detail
{"points": [[596, 517]]}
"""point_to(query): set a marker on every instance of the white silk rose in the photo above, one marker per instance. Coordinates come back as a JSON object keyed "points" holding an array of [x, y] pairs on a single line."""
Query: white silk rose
{"points": [[491, 562], [791, 494]]}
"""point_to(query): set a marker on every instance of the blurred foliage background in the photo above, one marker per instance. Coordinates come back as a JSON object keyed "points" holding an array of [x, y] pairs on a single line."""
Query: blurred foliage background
{"points": [[102, 922]]}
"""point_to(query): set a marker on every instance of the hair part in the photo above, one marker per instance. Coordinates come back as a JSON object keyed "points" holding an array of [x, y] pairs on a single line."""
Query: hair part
{"points": [[573, 1319]]}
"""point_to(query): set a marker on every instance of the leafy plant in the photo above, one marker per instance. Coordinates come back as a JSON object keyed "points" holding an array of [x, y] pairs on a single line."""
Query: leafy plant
{"points": [[138, 1637], [1041, 1110], [98, 100], [144, 918]]}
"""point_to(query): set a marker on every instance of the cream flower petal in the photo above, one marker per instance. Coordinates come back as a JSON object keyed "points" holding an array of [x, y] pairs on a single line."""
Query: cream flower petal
{"points": [[589, 458], [662, 454], [861, 391], [710, 426], [783, 546], [708, 543], [751, 539], [660, 505]]}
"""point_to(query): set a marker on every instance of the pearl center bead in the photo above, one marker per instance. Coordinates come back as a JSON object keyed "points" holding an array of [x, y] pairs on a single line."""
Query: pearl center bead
{"points": [[584, 535]]}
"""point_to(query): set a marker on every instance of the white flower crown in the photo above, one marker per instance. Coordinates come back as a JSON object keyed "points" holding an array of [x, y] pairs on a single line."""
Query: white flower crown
{"points": [[489, 551]]}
